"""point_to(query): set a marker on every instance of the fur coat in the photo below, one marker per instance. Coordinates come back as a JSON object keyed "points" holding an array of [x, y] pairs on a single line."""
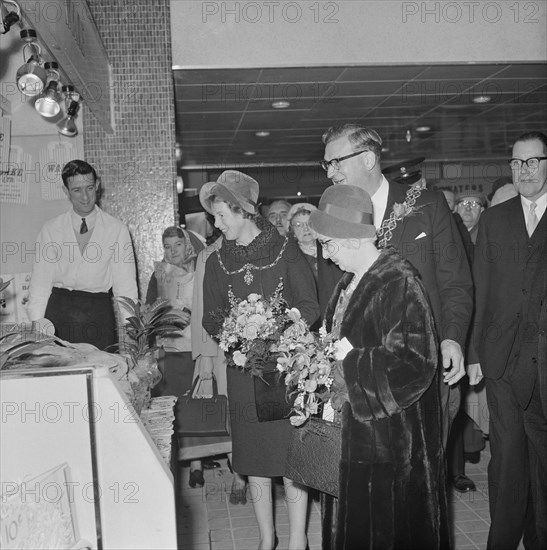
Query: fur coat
{"points": [[392, 488]]}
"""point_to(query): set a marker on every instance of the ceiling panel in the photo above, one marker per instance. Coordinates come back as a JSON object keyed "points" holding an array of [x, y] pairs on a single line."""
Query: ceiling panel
{"points": [[219, 111]]}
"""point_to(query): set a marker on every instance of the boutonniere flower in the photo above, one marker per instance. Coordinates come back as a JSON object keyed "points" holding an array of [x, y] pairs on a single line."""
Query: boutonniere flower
{"points": [[402, 210]]}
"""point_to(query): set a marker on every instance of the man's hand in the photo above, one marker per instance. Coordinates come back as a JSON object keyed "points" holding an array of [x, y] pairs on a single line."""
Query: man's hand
{"points": [[205, 368], [453, 362], [474, 372]]}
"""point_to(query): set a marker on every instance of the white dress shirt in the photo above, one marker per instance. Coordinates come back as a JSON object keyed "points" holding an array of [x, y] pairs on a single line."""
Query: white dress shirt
{"points": [[541, 203], [379, 202], [106, 262]]}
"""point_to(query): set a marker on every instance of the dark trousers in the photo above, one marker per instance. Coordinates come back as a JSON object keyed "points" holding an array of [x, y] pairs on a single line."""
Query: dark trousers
{"points": [[517, 473], [80, 316]]}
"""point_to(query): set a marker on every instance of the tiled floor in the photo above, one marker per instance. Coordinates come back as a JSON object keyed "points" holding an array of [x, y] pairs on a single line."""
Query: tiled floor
{"points": [[207, 521]]}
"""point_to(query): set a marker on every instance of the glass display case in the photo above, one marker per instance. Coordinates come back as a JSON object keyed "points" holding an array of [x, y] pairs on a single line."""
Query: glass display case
{"points": [[77, 467]]}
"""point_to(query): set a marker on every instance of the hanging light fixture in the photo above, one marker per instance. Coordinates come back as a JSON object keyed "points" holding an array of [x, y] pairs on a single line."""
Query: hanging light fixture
{"points": [[31, 77], [48, 104], [67, 126], [9, 18]]}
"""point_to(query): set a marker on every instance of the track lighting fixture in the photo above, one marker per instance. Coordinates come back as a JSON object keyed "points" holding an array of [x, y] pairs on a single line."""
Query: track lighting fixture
{"points": [[31, 77], [67, 126], [9, 18], [48, 103]]}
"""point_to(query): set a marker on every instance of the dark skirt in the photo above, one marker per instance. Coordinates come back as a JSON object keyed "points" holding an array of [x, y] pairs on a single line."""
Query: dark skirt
{"points": [[258, 448], [177, 369], [83, 317]]}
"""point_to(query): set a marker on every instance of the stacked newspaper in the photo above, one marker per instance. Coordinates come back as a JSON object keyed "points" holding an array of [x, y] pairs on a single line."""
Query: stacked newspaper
{"points": [[158, 419]]}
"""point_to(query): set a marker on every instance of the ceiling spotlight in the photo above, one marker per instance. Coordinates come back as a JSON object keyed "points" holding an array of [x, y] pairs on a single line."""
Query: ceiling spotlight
{"points": [[385, 149], [482, 99], [249, 153], [48, 103], [423, 128], [67, 126], [408, 136], [298, 193], [9, 18], [262, 133], [31, 77], [280, 104]]}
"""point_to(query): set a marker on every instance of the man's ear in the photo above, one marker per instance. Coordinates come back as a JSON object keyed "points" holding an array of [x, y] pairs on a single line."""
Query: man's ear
{"points": [[369, 159], [66, 191]]}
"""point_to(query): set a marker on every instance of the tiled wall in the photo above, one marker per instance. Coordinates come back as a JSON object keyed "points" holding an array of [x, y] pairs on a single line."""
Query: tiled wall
{"points": [[137, 162]]}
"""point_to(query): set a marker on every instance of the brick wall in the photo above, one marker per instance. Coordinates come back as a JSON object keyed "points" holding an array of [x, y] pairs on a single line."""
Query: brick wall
{"points": [[137, 162]]}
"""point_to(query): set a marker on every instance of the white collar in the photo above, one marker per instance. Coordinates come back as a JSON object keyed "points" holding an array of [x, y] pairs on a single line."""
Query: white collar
{"points": [[540, 208]]}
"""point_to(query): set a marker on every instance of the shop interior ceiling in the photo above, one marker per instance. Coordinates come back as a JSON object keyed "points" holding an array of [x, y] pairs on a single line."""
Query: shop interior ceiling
{"points": [[434, 111]]}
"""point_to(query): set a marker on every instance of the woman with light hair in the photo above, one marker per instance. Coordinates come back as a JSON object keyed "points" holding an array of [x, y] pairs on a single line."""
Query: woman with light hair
{"points": [[298, 218], [385, 393]]}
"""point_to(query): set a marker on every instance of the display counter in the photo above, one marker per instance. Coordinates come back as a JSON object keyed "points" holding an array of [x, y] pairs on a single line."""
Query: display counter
{"points": [[77, 467]]}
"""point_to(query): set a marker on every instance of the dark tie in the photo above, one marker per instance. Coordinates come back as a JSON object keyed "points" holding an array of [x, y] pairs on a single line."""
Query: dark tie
{"points": [[83, 227]]}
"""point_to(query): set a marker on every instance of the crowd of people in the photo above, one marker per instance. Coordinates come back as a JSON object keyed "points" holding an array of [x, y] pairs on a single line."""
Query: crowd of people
{"points": [[417, 288]]}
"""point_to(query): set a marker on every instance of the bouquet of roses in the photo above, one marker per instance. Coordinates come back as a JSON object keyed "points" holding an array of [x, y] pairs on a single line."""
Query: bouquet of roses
{"points": [[307, 361], [251, 329]]}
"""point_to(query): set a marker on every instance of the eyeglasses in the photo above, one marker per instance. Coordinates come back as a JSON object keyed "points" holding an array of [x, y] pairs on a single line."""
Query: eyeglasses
{"points": [[335, 163], [532, 163], [470, 204], [300, 225]]}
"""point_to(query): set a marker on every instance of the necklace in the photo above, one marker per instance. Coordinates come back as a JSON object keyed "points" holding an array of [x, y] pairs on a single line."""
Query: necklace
{"points": [[398, 212], [248, 267]]}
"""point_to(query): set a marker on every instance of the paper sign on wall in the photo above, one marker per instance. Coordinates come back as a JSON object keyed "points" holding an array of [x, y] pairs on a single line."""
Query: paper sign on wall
{"points": [[14, 185], [52, 160]]}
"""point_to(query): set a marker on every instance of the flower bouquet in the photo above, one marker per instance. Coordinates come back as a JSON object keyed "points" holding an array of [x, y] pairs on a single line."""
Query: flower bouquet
{"points": [[251, 328], [307, 361], [249, 335]]}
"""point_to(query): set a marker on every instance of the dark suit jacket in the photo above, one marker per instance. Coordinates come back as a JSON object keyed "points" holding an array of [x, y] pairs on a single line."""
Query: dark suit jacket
{"points": [[509, 280], [429, 239]]}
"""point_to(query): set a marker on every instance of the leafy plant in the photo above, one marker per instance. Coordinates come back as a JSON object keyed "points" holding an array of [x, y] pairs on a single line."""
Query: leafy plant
{"points": [[145, 324]]}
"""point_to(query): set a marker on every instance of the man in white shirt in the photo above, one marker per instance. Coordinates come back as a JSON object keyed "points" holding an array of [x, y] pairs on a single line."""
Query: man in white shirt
{"points": [[84, 257]]}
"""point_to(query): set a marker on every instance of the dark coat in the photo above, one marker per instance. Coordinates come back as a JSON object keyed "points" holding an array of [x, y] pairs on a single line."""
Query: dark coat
{"points": [[505, 263], [392, 488]]}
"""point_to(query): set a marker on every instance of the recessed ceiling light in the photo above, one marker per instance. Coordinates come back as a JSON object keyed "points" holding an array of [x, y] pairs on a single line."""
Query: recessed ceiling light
{"points": [[423, 128], [249, 153], [282, 104], [385, 149], [298, 194], [482, 99], [262, 133]]}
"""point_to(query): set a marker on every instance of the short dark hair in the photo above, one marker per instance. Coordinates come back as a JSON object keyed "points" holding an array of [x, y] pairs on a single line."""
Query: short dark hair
{"points": [[531, 136], [360, 137], [172, 231], [77, 168], [235, 208]]}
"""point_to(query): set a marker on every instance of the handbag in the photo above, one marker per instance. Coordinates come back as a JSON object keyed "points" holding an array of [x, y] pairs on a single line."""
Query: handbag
{"points": [[203, 416], [271, 398], [314, 455]]}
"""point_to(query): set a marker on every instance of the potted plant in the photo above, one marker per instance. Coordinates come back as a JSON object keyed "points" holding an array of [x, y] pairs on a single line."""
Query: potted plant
{"points": [[142, 329]]}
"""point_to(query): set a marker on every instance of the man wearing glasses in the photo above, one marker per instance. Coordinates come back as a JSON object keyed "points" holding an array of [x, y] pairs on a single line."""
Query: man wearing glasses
{"points": [[426, 235], [510, 271], [470, 206]]}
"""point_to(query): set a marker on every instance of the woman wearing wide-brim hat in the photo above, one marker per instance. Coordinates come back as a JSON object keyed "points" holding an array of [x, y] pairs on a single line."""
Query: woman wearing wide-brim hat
{"points": [[392, 489], [252, 259]]}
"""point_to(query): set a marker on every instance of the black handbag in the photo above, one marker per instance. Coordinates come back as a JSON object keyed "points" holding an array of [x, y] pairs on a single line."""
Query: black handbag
{"points": [[314, 455], [271, 398], [203, 416]]}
